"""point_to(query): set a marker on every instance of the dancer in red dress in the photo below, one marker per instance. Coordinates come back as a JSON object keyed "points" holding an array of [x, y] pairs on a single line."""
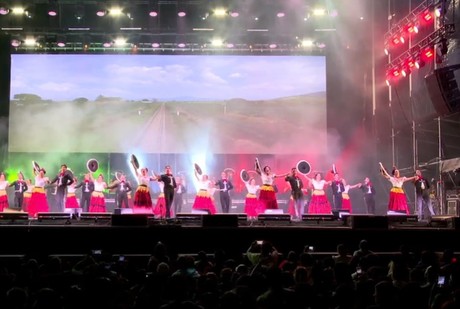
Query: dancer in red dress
{"points": [[319, 203], [203, 199], [267, 196], [3, 195], [398, 201], [142, 197], [71, 199], [38, 202], [97, 202], [346, 202], [251, 203]]}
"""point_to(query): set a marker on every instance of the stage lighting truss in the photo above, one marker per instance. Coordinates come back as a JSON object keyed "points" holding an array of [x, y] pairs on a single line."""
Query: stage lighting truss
{"points": [[409, 26], [419, 54]]}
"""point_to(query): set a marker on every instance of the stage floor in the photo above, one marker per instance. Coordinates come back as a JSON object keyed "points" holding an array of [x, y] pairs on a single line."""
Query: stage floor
{"points": [[137, 234]]}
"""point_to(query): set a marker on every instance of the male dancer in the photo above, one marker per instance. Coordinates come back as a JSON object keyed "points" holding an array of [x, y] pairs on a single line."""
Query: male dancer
{"points": [[422, 192], [122, 188], [369, 195], [296, 192], [20, 186], [225, 186], [337, 190], [170, 184], [178, 195], [63, 179], [87, 187]]}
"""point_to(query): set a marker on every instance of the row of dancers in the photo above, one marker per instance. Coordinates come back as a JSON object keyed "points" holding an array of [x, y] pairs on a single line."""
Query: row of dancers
{"points": [[259, 198]]}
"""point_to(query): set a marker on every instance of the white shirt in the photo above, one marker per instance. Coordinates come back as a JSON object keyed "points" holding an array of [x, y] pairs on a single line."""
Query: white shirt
{"points": [[99, 186], [204, 185], [143, 180], [268, 179], [40, 182], [397, 182], [318, 185], [252, 189], [71, 188], [3, 185]]}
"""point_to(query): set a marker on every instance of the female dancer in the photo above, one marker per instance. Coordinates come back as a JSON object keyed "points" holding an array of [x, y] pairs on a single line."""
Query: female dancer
{"points": [[97, 202], [38, 202], [398, 201], [203, 199], [318, 203], [346, 203], [267, 196], [251, 203], [71, 199], [3, 195], [160, 208], [27, 195], [142, 197]]}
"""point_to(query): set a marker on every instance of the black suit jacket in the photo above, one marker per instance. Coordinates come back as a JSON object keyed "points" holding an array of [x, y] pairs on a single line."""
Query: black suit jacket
{"points": [[20, 186], [221, 184], [66, 179], [335, 185], [121, 187], [83, 187], [422, 182]]}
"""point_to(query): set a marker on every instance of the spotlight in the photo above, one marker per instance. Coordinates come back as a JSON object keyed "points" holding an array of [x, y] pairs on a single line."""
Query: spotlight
{"points": [[234, 14], [30, 41], [107, 44], [428, 52], [181, 45], [319, 12], [387, 50], [18, 10], [220, 12], [115, 11], [280, 14], [272, 46], [155, 45], [217, 42], [405, 71], [15, 43], [4, 10], [153, 13], [427, 15], [181, 14], [419, 63]]}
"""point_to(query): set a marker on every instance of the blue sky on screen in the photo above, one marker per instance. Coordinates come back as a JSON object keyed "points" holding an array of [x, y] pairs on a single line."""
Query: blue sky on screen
{"points": [[167, 77]]}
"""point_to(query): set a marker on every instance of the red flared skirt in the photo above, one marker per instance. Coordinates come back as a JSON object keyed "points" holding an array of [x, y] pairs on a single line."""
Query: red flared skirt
{"points": [[38, 202], [97, 202], [160, 207], [71, 201], [252, 207], [3, 200], [142, 197], [346, 203], [26, 201], [203, 201], [319, 203], [267, 197], [398, 201]]}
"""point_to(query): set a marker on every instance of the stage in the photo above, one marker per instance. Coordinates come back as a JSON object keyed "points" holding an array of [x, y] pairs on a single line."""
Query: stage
{"points": [[60, 233]]}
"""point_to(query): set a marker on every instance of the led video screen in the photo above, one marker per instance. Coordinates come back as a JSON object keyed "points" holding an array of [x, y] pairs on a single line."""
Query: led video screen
{"points": [[223, 104]]}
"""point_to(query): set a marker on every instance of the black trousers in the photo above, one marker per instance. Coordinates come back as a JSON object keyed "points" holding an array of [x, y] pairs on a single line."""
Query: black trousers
{"points": [[178, 202], [122, 198], [337, 201], [85, 200], [169, 196], [18, 199], [225, 202], [369, 200], [60, 198]]}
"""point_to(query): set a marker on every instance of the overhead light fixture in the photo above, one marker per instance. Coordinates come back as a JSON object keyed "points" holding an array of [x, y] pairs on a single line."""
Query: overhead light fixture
{"points": [[4, 10], [53, 8]]}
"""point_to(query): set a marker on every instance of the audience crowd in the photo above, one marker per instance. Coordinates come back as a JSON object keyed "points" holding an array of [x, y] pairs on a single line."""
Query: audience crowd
{"points": [[260, 278]]}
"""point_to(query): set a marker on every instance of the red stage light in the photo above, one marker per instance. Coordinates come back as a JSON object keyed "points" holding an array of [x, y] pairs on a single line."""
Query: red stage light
{"points": [[396, 40], [411, 28], [428, 52], [427, 15]]}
